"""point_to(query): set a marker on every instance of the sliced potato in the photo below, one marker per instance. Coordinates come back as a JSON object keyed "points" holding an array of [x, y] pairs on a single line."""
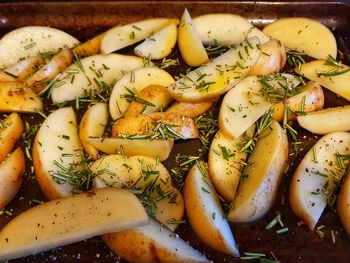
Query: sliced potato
{"points": [[152, 243], [28, 41], [142, 173], [315, 70], [23, 68], [156, 96], [56, 65], [204, 211], [225, 161], [218, 76], [315, 179], [68, 220], [90, 47], [119, 36], [327, 121], [303, 35], [130, 147], [226, 29], [11, 171], [176, 125], [11, 129], [15, 97], [261, 177], [242, 107], [190, 44], [191, 110], [93, 124], [159, 45], [343, 204], [133, 83], [273, 58], [56, 146], [92, 74], [310, 98], [4, 77]]}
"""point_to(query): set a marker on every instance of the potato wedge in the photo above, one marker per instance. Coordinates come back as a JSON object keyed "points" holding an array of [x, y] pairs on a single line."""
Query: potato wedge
{"points": [[68, 220], [218, 76], [318, 70], [343, 204], [56, 65], [55, 149], [191, 110], [131, 84], [90, 47], [4, 77], [119, 36], [242, 107], [142, 174], [23, 68], [159, 124], [225, 160], [15, 97], [273, 58], [152, 243], [93, 124], [190, 45], [204, 211], [130, 147], [153, 94], [258, 190], [92, 74], [327, 121], [28, 41], [226, 29], [304, 35], [11, 171], [315, 179], [159, 45], [310, 98], [11, 129]]}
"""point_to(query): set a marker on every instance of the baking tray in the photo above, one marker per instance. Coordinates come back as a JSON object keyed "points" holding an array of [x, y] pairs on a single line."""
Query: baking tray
{"points": [[86, 19]]}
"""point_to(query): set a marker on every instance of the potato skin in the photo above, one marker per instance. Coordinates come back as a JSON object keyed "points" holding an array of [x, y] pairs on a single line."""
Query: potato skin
{"points": [[191, 110], [343, 204]]}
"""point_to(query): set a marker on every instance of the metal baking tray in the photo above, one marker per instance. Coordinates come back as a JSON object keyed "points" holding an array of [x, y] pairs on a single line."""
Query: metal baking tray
{"points": [[86, 19]]}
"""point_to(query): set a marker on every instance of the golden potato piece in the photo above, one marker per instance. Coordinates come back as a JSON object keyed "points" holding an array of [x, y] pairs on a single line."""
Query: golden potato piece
{"points": [[191, 110], [90, 47], [23, 68]]}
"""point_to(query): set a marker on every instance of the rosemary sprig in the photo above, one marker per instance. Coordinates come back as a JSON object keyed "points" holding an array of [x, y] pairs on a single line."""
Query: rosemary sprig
{"points": [[131, 96], [295, 59], [207, 127], [338, 70]]}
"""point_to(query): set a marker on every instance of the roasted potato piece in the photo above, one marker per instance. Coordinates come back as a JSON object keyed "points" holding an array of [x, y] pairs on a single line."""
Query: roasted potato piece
{"points": [[191, 110]]}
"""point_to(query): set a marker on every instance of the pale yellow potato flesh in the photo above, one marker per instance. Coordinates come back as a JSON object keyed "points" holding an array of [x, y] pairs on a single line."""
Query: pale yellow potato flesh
{"points": [[304, 35], [68, 220], [119, 37], [338, 84], [310, 99], [190, 45], [138, 173], [273, 58], [152, 243], [93, 124], [156, 94], [343, 204], [11, 129], [56, 141], [226, 29], [90, 47], [258, 189], [6, 77], [89, 74], [146, 124], [152, 148], [135, 81], [204, 212], [28, 41], [225, 171], [56, 65], [11, 171], [159, 45], [216, 77], [15, 97], [242, 107], [24, 67], [191, 110], [327, 120], [317, 170]]}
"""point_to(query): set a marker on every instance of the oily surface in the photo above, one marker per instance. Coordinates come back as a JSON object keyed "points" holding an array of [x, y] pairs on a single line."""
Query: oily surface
{"points": [[85, 20]]}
